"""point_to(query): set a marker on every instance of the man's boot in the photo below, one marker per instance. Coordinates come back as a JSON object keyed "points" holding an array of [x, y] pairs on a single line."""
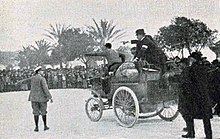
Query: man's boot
{"points": [[44, 117], [36, 119], [190, 127], [189, 135], [185, 129]]}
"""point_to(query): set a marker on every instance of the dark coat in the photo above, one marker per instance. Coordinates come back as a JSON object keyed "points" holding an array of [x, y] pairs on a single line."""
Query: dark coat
{"points": [[153, 54], [185, 97], [201, 103], [214, 85]]}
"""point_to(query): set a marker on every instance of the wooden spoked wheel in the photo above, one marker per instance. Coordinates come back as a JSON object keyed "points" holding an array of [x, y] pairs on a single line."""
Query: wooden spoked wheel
{"points": [[169, 110], [125, 106], [94, 109]]}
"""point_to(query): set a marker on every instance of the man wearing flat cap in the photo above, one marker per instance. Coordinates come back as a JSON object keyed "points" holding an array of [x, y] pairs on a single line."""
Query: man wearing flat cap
{"points": [[39, 96], [147, 49]]}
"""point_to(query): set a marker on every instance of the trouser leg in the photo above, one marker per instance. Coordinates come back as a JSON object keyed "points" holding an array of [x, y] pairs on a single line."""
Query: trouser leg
{"points": [[207, 127], [185, 119], [106, 85], [190, 125], [44, 117], [36, 119]]}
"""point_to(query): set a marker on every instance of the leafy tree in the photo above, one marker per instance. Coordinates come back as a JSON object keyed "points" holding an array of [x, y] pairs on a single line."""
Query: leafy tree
{"points": [[58, 56], [26, 57], [184, 33], [75, 43], [105, 31], [7, 58]]}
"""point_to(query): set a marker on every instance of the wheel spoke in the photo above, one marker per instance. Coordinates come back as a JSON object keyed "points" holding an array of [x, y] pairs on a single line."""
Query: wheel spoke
{"points": [[168, 112], [93, 109], [126, 106]]}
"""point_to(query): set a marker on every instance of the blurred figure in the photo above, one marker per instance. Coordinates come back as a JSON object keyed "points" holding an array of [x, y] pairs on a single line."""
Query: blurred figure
{"points": [[185, 97], [214, 86], [55, 79], [1, 83]]}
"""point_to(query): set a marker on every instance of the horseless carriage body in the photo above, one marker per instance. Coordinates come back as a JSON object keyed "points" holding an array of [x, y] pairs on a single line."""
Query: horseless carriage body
{"points": [[139, 95]]}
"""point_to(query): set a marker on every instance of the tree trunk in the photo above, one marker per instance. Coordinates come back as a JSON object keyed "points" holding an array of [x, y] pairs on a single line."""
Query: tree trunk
{"points": [[182, 51], [189, 49], [61, 65]]}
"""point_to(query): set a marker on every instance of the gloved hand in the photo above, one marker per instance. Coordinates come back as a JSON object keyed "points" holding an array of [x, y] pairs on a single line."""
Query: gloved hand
{"points": [[111, 73], [135, 60]]}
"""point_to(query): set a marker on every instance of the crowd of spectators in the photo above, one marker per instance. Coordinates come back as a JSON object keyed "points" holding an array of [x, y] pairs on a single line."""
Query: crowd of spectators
{"points": [[56, 78]]}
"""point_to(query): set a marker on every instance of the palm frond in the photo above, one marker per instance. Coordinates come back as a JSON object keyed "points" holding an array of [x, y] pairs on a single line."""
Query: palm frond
{"points": [[98, 28], [116, 33]]}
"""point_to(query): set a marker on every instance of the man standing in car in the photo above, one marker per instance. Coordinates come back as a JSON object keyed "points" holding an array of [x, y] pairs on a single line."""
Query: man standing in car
{"points": [[147, 49]]}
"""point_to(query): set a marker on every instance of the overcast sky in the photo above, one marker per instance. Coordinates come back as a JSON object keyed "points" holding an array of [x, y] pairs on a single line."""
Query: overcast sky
{"points": [[24, 21]]}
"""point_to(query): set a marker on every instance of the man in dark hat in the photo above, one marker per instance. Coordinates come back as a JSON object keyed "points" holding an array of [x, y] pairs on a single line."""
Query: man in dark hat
{"points": [[147, 49], [200, 103], [39, 96]]}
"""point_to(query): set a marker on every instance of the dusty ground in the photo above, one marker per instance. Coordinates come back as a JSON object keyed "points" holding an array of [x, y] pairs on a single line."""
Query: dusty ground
{"points": [[67, 120]]}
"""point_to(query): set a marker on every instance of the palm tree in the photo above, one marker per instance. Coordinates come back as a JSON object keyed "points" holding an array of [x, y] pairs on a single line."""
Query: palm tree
{"points": [[41, 51], [105, 31], [55, 33]]}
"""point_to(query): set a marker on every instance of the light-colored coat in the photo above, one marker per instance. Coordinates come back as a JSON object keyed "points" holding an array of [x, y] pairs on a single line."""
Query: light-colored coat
{"points": [[111, 55], [39, 89]]}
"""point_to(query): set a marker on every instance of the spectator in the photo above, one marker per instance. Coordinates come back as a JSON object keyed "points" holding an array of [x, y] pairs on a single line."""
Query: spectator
{"points": [[200, 102]]}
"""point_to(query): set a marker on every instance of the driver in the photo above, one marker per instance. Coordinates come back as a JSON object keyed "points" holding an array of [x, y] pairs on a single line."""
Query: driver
{"points": [[114, 58]]}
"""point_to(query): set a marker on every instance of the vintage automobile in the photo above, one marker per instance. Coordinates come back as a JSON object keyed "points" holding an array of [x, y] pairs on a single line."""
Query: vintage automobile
{"points": [[133, 95]]}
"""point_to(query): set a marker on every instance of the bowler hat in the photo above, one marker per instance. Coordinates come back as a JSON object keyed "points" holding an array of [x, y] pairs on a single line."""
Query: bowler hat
{"points": [[140, 31], [196, 55], [108, 45]]}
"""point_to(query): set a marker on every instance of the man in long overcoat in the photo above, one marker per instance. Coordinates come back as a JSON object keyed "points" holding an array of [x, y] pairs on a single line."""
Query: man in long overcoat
{"points": [[39, 96], [200, 101], [185, 97], [214, 86]]}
